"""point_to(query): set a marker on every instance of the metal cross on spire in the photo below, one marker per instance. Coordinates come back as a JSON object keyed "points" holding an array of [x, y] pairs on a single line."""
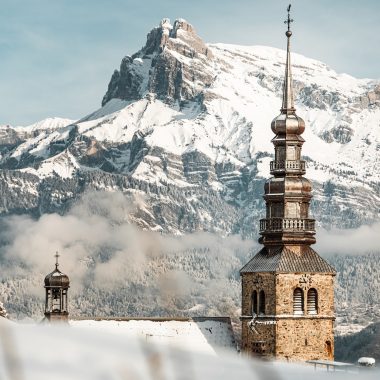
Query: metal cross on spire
{"points": [[287, 97], [289, 20], [56, 259]]}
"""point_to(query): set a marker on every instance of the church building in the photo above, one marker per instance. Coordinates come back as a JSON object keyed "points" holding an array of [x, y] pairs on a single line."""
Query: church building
{"points": [[210, 335], [287, 288]]}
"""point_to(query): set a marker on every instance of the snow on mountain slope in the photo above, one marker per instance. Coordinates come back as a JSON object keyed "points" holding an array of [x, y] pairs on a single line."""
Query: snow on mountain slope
{"points": [[184, 113], [12, 135], [238, 120], [50, 123]]}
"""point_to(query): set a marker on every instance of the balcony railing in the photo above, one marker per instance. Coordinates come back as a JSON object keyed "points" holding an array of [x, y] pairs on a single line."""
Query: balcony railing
{"points": [[288, 165], [282, 224]]}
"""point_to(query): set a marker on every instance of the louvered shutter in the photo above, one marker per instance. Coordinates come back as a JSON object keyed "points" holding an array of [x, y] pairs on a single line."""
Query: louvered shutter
{"points": [[312, 301], [298, 301]]}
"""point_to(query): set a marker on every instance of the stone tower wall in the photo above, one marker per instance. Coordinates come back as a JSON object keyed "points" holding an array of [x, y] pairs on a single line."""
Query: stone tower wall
{"points": [[57, 317], [261, 342], [303, 338], [322, 282], [258, 281], [280, 333]]}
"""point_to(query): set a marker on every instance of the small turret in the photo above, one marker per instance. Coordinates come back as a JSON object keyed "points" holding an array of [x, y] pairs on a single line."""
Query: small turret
{"points": [[56, 285]]}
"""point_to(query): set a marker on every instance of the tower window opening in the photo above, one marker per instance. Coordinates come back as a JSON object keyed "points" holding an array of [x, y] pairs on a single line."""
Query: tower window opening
{"points": [[298, 304], [56, 301], [312, 301], [261, 302], [254, 302]]}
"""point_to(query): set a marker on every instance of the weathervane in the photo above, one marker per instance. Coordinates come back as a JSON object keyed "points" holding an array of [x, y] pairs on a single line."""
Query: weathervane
{"points": [[56, 260], [289, 20]]}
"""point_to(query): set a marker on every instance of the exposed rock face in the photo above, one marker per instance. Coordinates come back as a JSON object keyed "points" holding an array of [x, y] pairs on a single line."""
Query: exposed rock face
{"points": [[371, 98], [171, 65], [341, 134]]}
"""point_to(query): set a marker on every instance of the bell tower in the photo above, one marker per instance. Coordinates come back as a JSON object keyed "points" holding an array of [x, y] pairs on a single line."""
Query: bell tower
{"points": [[287, 288], [56, 287]]}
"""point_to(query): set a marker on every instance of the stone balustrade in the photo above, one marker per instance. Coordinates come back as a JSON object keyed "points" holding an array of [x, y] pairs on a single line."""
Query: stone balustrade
{"points": [[288, 165], [282, 224]]}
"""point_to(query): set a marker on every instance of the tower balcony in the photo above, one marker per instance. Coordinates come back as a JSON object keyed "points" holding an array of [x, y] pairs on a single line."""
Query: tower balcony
{"points": [[288, 166], [287, 225]]}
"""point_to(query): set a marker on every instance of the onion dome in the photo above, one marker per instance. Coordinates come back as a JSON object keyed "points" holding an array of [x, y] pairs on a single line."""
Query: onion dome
{"points": [[57, 278], [288, 124]]}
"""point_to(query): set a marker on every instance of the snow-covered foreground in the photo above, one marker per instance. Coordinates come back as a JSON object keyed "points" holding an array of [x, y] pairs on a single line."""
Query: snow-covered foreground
{"points": [[58, 352]]}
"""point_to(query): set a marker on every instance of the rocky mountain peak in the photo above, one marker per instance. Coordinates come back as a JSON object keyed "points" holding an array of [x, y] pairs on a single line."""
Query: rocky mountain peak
{"points": [[172, 64], [180, 37]]}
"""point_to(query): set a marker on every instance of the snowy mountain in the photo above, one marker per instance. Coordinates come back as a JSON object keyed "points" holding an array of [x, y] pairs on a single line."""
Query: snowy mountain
{"points": [[186, 126]]}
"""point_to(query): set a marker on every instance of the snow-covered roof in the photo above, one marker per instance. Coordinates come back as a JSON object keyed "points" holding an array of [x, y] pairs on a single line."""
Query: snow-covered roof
{"points": [[210, 335], [367, 361]]}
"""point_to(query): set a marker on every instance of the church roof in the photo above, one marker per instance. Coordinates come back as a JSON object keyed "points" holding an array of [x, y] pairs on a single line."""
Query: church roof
{"points": [[210, 335], [283, 260], [57, 279]]}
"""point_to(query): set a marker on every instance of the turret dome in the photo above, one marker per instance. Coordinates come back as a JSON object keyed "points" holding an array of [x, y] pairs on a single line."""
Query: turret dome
{"points": [[288, 123], [57, 279]]}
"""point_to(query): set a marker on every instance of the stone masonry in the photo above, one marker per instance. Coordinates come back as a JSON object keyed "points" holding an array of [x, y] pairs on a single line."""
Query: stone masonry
{"points": [[278, 333]]}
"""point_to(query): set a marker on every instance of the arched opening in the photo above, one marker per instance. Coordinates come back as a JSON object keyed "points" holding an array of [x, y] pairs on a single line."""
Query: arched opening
{"points": [[328, 349], [261, 302], [312, 301], [254, 302], [298, 306], [56, 300]]}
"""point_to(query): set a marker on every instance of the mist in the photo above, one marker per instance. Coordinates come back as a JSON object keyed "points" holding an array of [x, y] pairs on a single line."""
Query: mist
{"points": [[353, 241], [104, 253], [118, 268]]}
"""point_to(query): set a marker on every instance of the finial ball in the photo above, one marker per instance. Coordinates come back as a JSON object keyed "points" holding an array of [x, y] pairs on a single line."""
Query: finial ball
{"points": [[288, 33]]}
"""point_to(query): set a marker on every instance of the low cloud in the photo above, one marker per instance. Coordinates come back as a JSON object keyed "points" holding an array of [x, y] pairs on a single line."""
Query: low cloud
{"points": [[358, 241], [99, 247], [119, 269]]}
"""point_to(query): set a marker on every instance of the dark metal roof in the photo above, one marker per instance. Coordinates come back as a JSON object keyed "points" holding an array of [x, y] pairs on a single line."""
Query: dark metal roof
{"points": [[284, 260], [57, 279]]}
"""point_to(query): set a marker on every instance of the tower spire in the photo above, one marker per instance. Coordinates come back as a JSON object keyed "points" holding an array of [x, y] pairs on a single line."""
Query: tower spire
{"points": [[287, 95], [287, 288]]}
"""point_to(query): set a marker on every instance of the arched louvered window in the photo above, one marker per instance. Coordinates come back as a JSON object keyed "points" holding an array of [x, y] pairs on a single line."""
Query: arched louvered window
{"points": [[261, 302], [298, 307], [312, 301], [254, 302]]}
